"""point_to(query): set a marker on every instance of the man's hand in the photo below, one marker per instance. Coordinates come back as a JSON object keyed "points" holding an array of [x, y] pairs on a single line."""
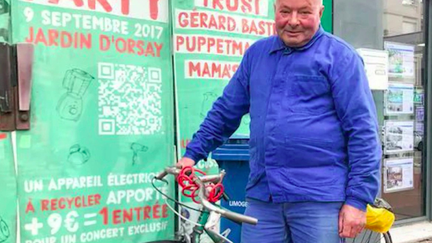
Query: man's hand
{"points": [[183, 162], [351, 221]]}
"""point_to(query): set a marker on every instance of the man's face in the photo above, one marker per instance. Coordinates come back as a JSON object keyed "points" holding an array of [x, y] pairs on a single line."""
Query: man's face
{"points": [[297, 20]]}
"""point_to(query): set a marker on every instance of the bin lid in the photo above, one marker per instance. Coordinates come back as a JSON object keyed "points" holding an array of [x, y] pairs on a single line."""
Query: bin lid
{"points": [[235, 149]]}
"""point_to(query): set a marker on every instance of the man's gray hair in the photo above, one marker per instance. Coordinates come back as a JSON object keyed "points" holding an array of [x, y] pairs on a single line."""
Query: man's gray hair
{"points": [[321, 2]]}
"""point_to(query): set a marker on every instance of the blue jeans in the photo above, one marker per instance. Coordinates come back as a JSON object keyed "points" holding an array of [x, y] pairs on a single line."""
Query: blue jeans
{"points": [[306, 222]]}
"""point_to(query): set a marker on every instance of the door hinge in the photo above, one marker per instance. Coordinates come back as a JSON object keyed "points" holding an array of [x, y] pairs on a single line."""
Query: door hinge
{"points": [[16, 66]]}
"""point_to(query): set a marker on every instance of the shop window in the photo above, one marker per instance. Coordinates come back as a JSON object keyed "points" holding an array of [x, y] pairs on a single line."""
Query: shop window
{"points": [[402, 109]]}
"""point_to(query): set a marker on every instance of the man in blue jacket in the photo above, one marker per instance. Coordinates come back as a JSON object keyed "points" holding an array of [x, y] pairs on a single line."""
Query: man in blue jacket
{"points": [[314, 145]]}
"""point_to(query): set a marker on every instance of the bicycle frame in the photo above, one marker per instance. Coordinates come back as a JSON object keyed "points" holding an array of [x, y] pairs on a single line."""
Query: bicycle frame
{"points": [[203, 226], [199, 229]]}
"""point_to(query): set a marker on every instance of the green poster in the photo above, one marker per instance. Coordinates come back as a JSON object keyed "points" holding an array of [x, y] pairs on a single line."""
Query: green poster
{"points": [[8, 202], [101, 121]]}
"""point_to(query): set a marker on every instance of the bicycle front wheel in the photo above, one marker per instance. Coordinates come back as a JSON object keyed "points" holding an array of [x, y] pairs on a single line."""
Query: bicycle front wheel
{"points": [[388, 238], [371, 237]]}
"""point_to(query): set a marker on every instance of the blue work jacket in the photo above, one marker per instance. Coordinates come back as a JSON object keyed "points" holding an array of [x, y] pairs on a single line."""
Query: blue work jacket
{"points": [[313, 131]]}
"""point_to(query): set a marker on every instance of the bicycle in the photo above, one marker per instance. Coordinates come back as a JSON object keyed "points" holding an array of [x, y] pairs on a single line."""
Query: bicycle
{"points": [[380, 216], [205, 190]]}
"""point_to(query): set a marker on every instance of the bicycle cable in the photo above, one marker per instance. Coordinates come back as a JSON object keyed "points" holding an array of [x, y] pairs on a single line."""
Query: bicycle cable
{"points": [[181, 216], [170, 198]]}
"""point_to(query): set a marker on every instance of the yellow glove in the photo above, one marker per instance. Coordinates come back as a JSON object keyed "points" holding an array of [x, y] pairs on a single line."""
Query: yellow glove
{"points": [[379, 219]]}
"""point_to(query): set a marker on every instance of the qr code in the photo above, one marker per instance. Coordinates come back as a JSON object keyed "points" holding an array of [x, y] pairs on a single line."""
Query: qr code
{"points": [[129, 99]]}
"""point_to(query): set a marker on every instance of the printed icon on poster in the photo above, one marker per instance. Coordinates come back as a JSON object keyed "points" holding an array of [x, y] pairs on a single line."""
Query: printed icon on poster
{"points": [[207, 103], [78, 155], [70, 105], [4, 231], [137, 148]]}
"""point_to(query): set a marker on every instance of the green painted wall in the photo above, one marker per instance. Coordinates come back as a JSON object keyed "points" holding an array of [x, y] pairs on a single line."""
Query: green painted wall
{"points": [[327, 19]]}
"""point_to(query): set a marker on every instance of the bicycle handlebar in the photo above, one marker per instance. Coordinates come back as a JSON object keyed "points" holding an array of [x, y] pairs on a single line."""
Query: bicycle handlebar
{"points": [[200, 180]]}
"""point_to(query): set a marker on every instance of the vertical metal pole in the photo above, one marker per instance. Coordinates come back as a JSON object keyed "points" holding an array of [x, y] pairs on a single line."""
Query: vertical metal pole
{"points": [[427, 160]]}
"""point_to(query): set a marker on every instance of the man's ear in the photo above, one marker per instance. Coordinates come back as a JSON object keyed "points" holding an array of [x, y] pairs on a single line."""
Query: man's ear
{"points": [[321, 11]]}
